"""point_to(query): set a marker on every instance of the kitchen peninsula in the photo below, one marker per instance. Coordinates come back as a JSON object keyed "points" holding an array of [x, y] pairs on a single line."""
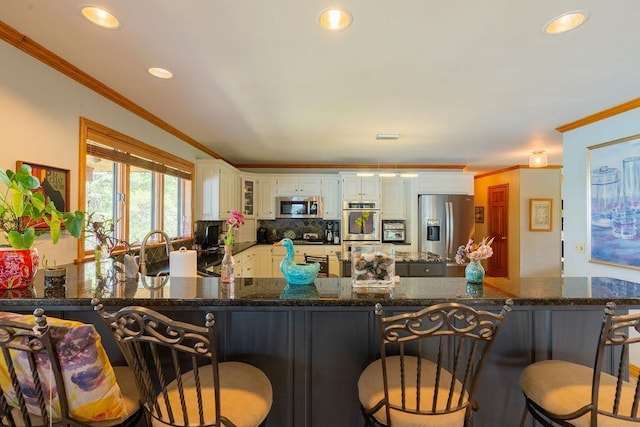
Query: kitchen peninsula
{"points": [[314, 341]]}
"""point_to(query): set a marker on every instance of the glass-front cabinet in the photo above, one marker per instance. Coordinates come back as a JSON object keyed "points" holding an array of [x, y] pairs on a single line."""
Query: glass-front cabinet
{"points": [[248, 196]]}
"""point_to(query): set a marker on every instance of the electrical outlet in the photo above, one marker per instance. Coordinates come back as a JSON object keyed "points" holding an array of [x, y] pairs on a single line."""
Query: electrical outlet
{"points": [[579, 248]]}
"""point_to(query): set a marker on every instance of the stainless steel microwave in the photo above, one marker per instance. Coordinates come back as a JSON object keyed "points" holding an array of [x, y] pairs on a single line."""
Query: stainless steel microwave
{"points": [[299, 207]]}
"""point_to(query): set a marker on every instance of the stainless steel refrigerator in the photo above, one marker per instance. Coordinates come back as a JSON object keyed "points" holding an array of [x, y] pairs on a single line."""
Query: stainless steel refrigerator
{"points": [[446, 222]]}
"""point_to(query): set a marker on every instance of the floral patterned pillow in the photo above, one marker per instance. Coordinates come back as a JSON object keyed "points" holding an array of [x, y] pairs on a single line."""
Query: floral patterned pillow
{"points": [[93, 393]]}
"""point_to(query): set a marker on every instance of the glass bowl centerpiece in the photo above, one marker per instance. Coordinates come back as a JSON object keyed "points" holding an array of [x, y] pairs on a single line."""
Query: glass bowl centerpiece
{"points": [[373, 265]]}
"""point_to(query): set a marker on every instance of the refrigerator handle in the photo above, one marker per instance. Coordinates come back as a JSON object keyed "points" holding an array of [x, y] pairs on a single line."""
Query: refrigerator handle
{"points": [[449, 230]]}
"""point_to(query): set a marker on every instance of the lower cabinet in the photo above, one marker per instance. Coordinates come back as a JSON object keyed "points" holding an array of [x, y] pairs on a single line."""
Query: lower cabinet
{"points": [[313, 356], [426, 269]]}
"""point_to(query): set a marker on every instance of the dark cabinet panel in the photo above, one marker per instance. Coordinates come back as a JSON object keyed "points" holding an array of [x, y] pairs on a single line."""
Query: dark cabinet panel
{"points": [[402, 269], [426, 269]]}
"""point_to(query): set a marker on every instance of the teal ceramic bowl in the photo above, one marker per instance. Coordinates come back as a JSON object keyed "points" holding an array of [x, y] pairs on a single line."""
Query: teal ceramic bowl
{"points": [[301, 276]]}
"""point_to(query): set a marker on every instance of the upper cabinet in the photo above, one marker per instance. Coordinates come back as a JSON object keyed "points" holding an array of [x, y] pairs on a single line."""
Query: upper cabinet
{"points": [[393, 201], [249, 189], [298, 186], [445, 183], [360, 187], [217, 190], [331, 206], [266, 197]]}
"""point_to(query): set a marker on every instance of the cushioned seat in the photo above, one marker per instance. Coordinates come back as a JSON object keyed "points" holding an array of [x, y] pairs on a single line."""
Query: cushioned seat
{"points": [[429, 366], [246, 399], [557, 390], [370, 392], [178, 374]]}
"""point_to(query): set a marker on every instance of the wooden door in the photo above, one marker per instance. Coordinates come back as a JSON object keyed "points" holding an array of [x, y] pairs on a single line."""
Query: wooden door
{"points": [[498, 220]]}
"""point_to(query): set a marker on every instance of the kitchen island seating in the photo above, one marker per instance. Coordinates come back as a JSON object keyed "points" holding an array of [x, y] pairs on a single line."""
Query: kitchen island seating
{"points": [[322, 260], [56, 372], [178, 374], [429, 366], [570, 394]]}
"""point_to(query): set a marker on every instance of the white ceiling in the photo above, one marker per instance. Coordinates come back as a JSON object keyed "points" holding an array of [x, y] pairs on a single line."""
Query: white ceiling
{"points": [[465, 82]]}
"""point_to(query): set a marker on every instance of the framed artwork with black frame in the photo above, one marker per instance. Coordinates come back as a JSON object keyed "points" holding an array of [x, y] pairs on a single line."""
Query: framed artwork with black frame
{"points": [[54, 185]]}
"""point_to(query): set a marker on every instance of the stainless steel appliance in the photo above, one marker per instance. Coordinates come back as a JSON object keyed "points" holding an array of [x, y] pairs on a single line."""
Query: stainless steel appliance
{"points": [[446, 222], [299, 207], [393, 231], [361, 221]]}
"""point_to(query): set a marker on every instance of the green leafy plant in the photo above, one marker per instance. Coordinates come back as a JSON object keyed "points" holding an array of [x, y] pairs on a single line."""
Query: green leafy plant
{"points": [[22, 207]]}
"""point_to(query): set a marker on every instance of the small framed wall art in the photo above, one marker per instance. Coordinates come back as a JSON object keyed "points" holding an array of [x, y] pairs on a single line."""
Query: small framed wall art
{"points": [[540, 214], [479, 214]]}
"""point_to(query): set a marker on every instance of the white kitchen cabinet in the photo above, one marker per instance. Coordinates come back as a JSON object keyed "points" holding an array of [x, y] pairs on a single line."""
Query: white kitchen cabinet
{"points": [[217, 190], [334, 264], [262, 261], [331, 206], [445, 183], [266, 198], [238, 263], [249, 189], [248, 263], [393, 201], [360, 187], [298, 186]]}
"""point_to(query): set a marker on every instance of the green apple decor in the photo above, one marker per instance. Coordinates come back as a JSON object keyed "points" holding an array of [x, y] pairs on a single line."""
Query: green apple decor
{"points": [[22, 207]]}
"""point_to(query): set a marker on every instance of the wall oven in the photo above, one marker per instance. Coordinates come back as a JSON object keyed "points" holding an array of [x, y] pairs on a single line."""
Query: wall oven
{"points": [[360, 221], [298, 207]]}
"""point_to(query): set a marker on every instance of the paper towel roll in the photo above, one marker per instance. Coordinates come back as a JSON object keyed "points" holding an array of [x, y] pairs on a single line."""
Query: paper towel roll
{"points": [[183, 263]]}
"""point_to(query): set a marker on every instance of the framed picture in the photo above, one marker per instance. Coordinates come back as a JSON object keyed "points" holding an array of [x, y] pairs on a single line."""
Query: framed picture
{"points": [[54, 184], [479, 214], [613, 194], [540, 214]]}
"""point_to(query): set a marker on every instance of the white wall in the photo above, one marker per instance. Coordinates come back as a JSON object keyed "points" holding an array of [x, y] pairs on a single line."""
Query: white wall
{"points": [[540, 251], [575, 192], [39, 123]]}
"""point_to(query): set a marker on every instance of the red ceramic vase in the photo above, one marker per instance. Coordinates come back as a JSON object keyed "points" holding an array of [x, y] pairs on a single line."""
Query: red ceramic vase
{"points": [[18, 267]]}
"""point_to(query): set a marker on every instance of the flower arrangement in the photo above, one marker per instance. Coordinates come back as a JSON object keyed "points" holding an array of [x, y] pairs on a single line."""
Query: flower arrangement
{"points": [[475, 251], [234, 222]]}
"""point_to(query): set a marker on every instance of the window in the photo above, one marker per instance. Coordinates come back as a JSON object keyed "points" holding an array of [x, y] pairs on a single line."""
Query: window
{"points": [[140, 187]]}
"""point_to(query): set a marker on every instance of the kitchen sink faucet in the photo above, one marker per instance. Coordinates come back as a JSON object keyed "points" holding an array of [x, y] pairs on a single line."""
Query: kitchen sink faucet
{"points": [[143, 248]]}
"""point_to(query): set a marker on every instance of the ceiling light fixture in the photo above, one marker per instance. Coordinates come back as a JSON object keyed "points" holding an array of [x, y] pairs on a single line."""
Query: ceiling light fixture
{"points": [[387, 136], [566, 22], [365, 174], [409, 175], [538, 159], [386, 174], [100, 17], [160, 73], [335, 19]]}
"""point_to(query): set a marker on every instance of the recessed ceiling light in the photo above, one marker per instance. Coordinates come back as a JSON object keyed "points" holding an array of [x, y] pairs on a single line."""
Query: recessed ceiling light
{"points": [[335, 19], [365, 174], [566, 22], [386, 175], [100, 17], [160, 73]]}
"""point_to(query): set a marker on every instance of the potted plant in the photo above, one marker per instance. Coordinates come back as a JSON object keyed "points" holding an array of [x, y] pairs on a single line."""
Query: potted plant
{"points": [[22, 207], [54, 276]]}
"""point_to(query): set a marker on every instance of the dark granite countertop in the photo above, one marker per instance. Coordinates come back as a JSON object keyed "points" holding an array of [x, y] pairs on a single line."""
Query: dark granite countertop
{"points": [[330, 292]]}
